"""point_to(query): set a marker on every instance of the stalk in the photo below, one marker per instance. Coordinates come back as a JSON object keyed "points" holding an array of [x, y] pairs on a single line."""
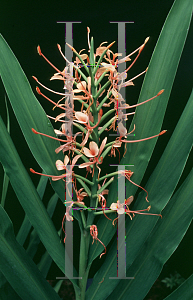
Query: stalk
{"points": [[85, 234]]}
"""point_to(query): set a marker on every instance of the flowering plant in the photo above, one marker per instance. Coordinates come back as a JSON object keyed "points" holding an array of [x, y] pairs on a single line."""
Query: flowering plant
{"points": [[92, 105]]}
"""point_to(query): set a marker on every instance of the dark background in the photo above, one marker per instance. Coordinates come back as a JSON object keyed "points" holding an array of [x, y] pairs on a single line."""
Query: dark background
{"points": [[27, 24]]}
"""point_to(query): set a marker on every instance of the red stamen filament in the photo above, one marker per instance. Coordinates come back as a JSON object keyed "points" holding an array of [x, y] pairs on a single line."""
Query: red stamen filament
{"points": [[160, 92], [57, 105], [135, 141], [103, 208], [128, 175], [59, 47], [41, 54], [62, 94], [56, 177], [51, 137], [94, 234]]}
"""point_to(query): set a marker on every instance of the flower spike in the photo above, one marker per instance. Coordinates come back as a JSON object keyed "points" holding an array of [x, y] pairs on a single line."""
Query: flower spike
{"points": [[86, 142]]}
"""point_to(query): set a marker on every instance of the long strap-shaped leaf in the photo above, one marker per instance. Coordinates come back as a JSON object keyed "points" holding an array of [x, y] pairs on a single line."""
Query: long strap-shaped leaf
{"points": [[160, 186], [29, 198], [26, 225], [30, 114], [7, 292], [184, 291], [21, 237], [18, 268], [149, 117], [160, 245]]}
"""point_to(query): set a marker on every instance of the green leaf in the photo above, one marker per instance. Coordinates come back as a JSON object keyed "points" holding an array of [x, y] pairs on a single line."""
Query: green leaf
{"points": [[7, 292], [26, 225], [30, 114], [6, 178], [34, 238], [45, 264], [5, 288], [29, 199], [162, 242], [184, 291], [149, 117], [160, 187], [18, 268]]}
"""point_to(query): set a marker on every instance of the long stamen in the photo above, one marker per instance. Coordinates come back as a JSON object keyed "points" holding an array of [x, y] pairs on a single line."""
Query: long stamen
{"points": [[139, 187], [132, 62], [151, 137], [138, 75], [126, 83], [88, 33], [40, 93], [141, 213], [41, 54], [140, 49], [62, 94], [53, 176], [146, 40], [51, 137], [158, 94], [59, 47], [72, 48]]}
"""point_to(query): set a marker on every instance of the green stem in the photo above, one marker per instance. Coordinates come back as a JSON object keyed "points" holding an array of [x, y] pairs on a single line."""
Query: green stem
{"points": [[108, 175], [106, 152], [101, 78], [106, 125], [106, 212], [102, 89], [80, 72], [104, 100], [83, 218], [104, 186], [85, 234], [100, 60], [83, 63], [84, 186], [83, 178], [107, 114]]}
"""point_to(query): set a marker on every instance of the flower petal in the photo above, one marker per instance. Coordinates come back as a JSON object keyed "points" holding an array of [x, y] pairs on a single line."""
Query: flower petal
{"points": [[84, 165], [60, 165], [82, 118], [93, 148], [75, 159], [66, 160]]}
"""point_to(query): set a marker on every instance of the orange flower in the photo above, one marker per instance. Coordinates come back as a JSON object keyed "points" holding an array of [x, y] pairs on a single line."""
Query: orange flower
{"points": [[120, 208], [94, 153], [94, 234]]}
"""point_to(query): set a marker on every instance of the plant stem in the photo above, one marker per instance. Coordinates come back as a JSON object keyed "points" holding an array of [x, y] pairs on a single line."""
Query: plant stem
{"points": [[83, 272], [85, 234], [108, 175]]}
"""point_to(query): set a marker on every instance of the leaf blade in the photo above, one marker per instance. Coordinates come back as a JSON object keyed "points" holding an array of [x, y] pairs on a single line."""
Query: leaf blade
{"points": [[18, 268]]}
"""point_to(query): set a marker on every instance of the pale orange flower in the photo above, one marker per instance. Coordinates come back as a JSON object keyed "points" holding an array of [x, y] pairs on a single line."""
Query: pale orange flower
{"points": [[94, 234]]}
